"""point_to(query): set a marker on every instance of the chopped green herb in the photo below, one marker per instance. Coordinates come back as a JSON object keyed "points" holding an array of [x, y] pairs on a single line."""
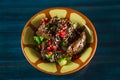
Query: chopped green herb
{"points": [[38, 39], [48, 56], [62, 61]]}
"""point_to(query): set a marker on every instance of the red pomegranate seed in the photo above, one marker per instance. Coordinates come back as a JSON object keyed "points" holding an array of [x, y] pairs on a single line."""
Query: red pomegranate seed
{"points": [[63, 34], [65, 27], [57, 34], [50, 42], [50, 53], [51, 47], [42, 21], [48, 48], [46, 20], [63, 21], [54, 47], [40, 46], [61, 31]]}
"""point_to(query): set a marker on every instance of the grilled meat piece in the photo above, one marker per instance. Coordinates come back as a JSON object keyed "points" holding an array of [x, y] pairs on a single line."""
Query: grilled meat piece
{"points": [[78, 45], [43, 31]]}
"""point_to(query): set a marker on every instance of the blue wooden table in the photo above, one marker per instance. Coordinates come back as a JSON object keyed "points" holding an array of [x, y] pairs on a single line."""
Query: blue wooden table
{"points": [[105, 15]]}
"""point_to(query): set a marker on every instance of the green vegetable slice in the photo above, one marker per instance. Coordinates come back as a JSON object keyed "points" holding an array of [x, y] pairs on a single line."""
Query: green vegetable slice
{"points": [[48, 56], [62, 61], [38, 39]]}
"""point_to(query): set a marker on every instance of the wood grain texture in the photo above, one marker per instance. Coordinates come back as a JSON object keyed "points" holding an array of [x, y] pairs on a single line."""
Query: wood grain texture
{"points": [[105, 15]]}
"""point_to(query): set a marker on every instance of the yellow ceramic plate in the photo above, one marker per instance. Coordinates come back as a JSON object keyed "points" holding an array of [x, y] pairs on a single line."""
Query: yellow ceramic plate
{"points": [[32, 56]]}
